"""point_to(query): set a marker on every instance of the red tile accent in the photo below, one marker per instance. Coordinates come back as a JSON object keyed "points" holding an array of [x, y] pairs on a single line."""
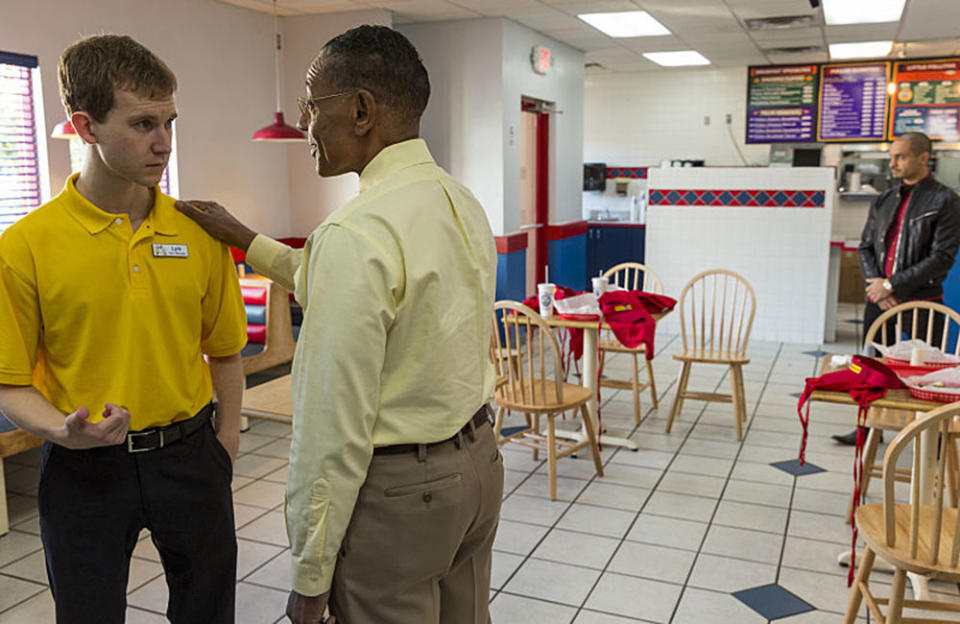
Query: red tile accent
{"points": [[511, 242], [566, 230]]}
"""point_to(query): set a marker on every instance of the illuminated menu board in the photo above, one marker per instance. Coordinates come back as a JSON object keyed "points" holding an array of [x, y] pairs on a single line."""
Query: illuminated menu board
{"points": [[927, 99], [853, 102], [781, 104]]}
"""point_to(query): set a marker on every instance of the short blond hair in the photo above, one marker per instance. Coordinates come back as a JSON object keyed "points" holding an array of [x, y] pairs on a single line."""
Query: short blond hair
{"points": [[90, 70]]}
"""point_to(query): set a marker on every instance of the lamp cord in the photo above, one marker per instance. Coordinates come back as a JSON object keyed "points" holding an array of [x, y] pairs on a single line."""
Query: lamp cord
{"points": [[276, 52]]}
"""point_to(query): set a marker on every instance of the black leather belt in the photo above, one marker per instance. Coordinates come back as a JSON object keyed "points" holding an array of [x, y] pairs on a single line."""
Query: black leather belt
{"points": [[152, 439], [479, 418]]}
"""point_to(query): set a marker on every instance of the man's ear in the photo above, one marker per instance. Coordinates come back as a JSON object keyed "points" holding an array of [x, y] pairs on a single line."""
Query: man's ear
{"points": [[365, 112], [83, 124]]}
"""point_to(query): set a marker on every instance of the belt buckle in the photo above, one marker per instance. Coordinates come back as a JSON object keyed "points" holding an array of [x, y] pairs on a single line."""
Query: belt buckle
{"points": [[139, 434]]}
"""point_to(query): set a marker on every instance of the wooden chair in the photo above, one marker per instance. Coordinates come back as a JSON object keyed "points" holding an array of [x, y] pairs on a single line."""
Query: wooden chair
{"points": [[631, 276], [268, 323], [716, 316], [529, 388], [894, 420], [11, 443], [924, 539]]}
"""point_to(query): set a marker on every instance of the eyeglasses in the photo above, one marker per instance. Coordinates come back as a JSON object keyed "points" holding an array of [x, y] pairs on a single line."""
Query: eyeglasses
{"points": [[306, 104]]}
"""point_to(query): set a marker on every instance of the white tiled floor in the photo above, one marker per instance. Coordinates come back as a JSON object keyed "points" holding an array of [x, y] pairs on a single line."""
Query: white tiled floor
{"points": [[665, 536]]}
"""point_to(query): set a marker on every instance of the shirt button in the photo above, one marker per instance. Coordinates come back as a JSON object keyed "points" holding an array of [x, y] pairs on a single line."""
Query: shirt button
{"points": [[427, 497], [118, 220], [136, 268]]}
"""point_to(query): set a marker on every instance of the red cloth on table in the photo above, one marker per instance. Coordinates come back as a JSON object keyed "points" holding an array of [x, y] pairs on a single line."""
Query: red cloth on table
{"points": [[866, 380], [628, 313]]}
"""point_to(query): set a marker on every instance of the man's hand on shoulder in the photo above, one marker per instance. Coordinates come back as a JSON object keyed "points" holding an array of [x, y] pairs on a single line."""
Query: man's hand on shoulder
{"points": [[218, 222], [79, 433]]}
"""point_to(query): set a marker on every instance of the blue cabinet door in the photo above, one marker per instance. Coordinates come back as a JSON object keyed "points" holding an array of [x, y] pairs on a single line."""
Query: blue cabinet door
{"points": [[609, 245]]}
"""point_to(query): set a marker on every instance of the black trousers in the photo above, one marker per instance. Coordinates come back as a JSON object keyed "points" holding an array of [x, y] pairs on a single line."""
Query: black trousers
{"points": [[93, 504], [871, 312]]}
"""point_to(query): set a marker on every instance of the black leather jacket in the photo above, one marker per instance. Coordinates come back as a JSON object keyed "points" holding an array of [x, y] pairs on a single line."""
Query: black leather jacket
{"points": [[928, 241]]}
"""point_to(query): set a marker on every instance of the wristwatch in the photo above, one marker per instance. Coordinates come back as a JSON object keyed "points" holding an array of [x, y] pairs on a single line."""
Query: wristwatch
{"points": [[887, 285]]}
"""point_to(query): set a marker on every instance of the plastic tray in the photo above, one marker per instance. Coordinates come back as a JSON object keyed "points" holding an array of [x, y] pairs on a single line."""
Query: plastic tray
{"points": [[928, 366], [579, 317], [940, 395]]}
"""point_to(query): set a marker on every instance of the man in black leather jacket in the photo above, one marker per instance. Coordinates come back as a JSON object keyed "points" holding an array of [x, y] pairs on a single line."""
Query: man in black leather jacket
{"points": [[910, 239]]}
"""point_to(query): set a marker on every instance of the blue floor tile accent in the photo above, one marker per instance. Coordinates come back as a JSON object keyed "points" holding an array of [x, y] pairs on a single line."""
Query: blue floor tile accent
{"points": [[792, 466], [509, 431], [817, 354], [797, 395], [773, 601]]}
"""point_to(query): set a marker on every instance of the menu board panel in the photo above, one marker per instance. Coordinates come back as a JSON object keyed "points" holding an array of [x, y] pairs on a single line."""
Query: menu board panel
{"points": [[927, 99], [781, 104], [853, 102]]}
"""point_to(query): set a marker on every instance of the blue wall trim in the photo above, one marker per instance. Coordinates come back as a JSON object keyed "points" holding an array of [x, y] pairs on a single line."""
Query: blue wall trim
{"points": [[512, 275], [568, 262]]}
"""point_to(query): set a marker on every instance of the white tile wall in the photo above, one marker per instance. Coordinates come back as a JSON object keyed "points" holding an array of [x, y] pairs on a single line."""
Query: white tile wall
{"points": [[782, 252]]}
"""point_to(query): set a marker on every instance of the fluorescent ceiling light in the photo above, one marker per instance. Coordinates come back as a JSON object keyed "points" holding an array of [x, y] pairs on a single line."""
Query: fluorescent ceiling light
{"points": [[862, 11], [625, 24], [676, 59], [863, 49]]}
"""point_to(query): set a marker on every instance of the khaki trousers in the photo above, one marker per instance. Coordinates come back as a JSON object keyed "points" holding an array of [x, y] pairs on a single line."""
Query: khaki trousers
{"points": [[418, 548]]}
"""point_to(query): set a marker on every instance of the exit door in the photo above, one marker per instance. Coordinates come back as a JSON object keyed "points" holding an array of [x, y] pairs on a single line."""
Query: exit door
{"points": [[535, 187]]}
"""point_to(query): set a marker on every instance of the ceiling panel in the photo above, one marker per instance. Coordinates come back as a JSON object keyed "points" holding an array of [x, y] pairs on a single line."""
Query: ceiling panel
{"points": [[791, 36], [497, 7], [666, 43], [713, 27], [931, 19], [748, 9], [940, 47], [407, 11], [322, 6], [861, 32], [576, 7]]}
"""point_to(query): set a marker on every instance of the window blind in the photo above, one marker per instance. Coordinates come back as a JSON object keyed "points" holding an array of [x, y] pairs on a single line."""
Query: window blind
{"points": [[19, 165]]}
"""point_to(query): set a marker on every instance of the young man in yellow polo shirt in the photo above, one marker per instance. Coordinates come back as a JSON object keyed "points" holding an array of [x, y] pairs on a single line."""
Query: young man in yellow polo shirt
{"points": [[109, 299]]}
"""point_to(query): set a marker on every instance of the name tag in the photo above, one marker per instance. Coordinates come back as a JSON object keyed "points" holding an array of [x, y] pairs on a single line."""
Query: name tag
{"points": [[170, 251]]}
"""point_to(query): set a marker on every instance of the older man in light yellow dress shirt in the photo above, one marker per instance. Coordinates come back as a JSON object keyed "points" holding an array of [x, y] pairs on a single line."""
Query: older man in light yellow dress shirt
{"points": [[395, 479]]}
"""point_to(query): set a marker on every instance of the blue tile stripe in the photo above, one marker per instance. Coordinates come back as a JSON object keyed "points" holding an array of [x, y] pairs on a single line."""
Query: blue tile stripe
{"points": [[627, 172], [765, 198]]}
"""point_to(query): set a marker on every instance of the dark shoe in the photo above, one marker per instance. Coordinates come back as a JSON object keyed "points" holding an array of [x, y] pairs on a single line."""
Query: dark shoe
{"points": [[850, 439]]}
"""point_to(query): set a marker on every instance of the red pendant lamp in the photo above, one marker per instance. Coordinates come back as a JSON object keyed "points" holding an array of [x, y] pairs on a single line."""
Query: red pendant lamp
{"points": [[278, 130]]}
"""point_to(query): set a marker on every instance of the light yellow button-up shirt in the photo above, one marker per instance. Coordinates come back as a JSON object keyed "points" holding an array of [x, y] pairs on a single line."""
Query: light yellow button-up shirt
{"points": [[397, 288]]}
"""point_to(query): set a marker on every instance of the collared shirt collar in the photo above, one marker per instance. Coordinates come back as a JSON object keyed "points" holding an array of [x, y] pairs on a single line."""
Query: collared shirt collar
{"points": [[95, 220], [393, 158]]}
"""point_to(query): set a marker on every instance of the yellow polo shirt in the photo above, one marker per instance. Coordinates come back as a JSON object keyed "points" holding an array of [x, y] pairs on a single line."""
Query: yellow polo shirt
{"points": [[397, 288], [92, 312]]}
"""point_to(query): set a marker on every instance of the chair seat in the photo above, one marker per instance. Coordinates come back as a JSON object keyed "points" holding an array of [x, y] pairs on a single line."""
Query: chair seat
{"points": [[612, 344], [870, 523], [573, 396], [709, 356]]}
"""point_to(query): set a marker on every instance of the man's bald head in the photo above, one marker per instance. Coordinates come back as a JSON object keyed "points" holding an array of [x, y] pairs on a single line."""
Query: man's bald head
{"points": [[918, 141]]}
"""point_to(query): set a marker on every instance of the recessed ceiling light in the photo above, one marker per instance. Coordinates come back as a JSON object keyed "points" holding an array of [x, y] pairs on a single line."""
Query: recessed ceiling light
{"points": [[862, 11], [677, 59], [625, 24], [863, 49]]}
